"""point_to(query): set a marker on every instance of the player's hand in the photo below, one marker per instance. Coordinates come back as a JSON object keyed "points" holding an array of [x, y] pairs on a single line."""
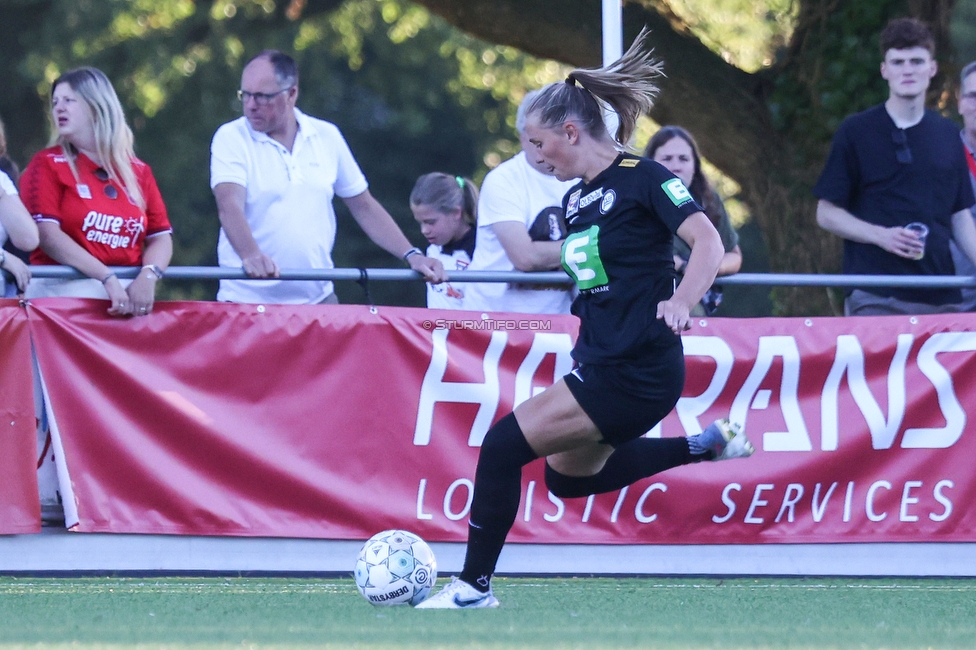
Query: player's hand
{"points": [[430, 268], [675, 315], [260, 266], [901, 242]]}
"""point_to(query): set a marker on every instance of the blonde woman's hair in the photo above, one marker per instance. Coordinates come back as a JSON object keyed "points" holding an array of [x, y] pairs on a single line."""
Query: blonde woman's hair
{"points": [[628, 86], [446, 193], [113, 137]]}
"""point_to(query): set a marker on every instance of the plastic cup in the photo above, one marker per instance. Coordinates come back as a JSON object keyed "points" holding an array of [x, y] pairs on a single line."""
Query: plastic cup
{"points": [[922, 232]]}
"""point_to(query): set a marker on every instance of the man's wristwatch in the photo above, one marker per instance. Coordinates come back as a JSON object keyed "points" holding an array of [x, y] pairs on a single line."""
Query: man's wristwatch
{"points": [[411, 252]]}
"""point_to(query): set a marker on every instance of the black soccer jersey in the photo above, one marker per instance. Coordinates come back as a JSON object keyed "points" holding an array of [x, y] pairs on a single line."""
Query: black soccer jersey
{"points": [[619, 252]]}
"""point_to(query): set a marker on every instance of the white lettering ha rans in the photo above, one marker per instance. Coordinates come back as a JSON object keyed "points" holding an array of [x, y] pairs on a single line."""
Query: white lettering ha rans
{"points": [[848, 362], [768, 502], [486, 394]]}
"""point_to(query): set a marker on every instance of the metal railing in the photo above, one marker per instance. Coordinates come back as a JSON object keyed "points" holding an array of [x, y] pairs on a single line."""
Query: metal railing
{"points": [[548, 277]]}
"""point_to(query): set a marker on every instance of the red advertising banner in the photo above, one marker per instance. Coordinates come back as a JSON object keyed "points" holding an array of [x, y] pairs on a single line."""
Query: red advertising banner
{"points": [[339, 421], [20, 509]]}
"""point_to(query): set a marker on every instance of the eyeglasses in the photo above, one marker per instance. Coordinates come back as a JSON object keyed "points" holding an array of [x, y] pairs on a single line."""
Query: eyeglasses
{"points": [[109, 189], [969, 96], [902, 152], [261, 99]]}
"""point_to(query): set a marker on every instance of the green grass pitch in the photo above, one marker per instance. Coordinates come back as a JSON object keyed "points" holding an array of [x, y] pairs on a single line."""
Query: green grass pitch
{"points": [[587, 613]]}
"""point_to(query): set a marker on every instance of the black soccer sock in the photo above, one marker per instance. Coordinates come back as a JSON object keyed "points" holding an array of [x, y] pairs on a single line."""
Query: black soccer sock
{"points": [[494, 506], [628, 463]]}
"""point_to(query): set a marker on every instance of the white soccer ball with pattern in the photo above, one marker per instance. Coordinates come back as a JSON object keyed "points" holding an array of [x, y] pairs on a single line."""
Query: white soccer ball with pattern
{"points": [[395, 567]]}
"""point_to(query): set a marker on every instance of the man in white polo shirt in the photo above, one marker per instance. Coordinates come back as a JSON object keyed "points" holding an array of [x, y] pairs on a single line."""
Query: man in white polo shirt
{"points": [[274, 173]]}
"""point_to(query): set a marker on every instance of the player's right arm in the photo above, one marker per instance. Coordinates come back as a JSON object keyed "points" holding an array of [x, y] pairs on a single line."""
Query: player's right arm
{"points": [[895, 240], [231, 199], [525, 254]]}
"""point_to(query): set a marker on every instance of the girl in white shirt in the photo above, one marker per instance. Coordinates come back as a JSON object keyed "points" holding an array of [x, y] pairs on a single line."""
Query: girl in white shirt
{"points": [[446, 207]]}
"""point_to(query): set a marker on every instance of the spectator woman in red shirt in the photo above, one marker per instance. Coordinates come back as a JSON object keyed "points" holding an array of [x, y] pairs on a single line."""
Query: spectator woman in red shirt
{"points": [[96, 205]]}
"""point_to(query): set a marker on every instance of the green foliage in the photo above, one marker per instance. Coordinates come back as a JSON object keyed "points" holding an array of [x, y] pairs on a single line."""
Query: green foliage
{"points": [[963, 31], [410, 93], [749, 34], [831, 75], [485, 81]]}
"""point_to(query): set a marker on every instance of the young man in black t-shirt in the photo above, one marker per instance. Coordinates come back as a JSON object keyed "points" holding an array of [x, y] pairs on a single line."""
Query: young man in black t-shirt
{"points": [[893, 165]]}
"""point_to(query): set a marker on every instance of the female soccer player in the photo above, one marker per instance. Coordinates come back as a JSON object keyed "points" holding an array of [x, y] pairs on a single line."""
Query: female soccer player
{"points": [[621, 217]]}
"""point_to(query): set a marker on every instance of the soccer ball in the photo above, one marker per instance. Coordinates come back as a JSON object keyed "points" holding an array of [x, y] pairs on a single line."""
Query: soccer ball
{"points": [[395, 567]]}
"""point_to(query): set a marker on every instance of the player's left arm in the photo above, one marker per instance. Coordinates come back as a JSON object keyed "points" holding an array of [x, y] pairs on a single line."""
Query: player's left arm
{"points": [[379, 226], [706, 255], [964, 233]]}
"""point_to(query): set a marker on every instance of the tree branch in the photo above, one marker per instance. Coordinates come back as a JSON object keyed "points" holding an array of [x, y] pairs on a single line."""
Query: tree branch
{"points": [[721, 104]]}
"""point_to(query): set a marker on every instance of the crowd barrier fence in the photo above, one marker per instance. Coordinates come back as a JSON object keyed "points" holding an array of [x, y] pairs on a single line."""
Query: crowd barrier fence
{"points": [[195, 423], [548, 277]]}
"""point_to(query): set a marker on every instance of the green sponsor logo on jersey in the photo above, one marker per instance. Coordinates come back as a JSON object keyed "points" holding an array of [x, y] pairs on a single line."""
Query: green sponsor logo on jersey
{"points": [[581, 259], [676, 191]]}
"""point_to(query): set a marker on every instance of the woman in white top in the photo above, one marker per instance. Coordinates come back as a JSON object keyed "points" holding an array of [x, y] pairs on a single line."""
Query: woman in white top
{"points": [[16, 223], [446, 207]]}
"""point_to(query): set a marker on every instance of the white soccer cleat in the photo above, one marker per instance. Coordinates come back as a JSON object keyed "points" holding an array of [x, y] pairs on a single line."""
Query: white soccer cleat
{"points": [[727, 440], [459, 595]]}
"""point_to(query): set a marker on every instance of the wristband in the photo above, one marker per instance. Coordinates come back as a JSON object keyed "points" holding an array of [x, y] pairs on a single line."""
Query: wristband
{"points": [[108, 277], [411, 252], [155, 270]]}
